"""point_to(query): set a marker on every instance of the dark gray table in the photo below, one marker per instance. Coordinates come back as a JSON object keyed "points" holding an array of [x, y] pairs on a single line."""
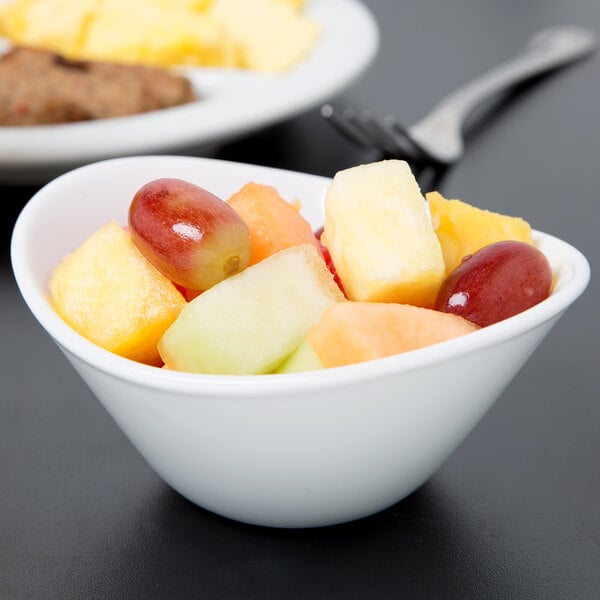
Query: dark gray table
{"points": [[513, 514]]}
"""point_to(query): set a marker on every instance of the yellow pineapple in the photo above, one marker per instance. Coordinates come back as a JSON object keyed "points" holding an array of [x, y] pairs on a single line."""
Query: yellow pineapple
{"points": [[56, 25], [271, 35], [266, 35], [380, 236], [463, 229], [162, 34], [110, 294], [296, 4]]}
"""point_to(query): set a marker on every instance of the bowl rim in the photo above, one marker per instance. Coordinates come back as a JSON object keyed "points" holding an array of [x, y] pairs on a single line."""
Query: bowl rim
{"points": [[577, 279]]}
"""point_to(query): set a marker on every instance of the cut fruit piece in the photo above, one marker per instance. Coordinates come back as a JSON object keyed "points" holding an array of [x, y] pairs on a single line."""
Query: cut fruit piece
{"points": [[109, 293], [271, 35], [251, 322], [165, 34], [353, 332], [327, 258], [188, 233], [463, 229], [274, 224], [302, 359], [53, 25], [380, 236], [498, 281]]}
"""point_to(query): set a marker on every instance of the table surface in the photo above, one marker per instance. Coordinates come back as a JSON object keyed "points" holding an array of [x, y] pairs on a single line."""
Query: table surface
{"points": [[514, 513]]}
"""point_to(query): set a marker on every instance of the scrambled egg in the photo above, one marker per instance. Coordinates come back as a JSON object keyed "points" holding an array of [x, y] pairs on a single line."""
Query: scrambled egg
{"points": [[262, 35]]}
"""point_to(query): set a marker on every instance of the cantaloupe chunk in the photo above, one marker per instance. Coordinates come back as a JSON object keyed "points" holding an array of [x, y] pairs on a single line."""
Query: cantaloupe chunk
{"points": [[380, 235], [274, 223], [251, 322], [109, 293], [352, 332], [463, 228]]}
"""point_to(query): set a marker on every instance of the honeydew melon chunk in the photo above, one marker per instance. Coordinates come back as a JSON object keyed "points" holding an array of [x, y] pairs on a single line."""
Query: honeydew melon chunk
{"points": [[302, 359], [380, 236], [251, 322]]}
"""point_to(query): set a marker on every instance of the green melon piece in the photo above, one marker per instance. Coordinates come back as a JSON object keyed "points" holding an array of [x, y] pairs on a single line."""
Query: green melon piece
{"points": [[249, 323], [302, 359]]}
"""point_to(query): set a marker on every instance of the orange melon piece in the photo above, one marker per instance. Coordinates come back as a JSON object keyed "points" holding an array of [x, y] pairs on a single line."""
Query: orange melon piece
{"points": [[462, 229], [353, 332], [109, 293], [274, 223]]}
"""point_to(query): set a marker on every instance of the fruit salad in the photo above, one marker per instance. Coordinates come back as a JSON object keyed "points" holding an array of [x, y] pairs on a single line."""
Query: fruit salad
{"points": [[243, 285]]}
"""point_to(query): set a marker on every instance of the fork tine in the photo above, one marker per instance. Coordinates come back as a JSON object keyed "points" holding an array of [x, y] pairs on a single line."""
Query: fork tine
{"points": [[393, 143], [388, 138], [375, 130], [418, 153], [430, 178], [345, 123], [369, 132]]}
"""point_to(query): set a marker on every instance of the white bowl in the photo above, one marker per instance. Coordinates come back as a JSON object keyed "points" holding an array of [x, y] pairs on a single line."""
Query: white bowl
{"points": [[296, 450]]}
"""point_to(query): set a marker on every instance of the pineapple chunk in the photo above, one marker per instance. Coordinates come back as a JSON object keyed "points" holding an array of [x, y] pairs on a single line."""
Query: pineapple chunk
{"points": [[463, 229], [380, 236], [267, 35], [55, 25], [110, 294], [165, 34], [250, 322], [271, 35]]}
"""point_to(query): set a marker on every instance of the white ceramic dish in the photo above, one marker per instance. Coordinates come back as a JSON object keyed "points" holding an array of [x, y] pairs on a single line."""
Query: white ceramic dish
{"points": [[298, 450], [235, 103]]}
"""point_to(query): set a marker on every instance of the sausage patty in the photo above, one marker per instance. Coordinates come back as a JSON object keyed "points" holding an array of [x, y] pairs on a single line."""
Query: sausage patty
{"points": [[40, 87]]}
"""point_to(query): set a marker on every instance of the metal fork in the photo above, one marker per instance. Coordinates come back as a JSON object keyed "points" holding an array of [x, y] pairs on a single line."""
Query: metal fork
{"points": [[436, 141]]}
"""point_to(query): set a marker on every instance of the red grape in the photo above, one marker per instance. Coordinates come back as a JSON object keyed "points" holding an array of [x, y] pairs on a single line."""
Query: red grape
{"points": [[496, 282], [328, 261], [187, 233]]}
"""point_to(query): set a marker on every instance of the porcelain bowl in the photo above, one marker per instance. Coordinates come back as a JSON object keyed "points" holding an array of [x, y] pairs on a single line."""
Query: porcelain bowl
{"points": [[297, 450]]}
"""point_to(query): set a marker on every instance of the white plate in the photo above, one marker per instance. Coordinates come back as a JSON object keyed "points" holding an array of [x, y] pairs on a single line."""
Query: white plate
{"points": [[234, 103]]}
